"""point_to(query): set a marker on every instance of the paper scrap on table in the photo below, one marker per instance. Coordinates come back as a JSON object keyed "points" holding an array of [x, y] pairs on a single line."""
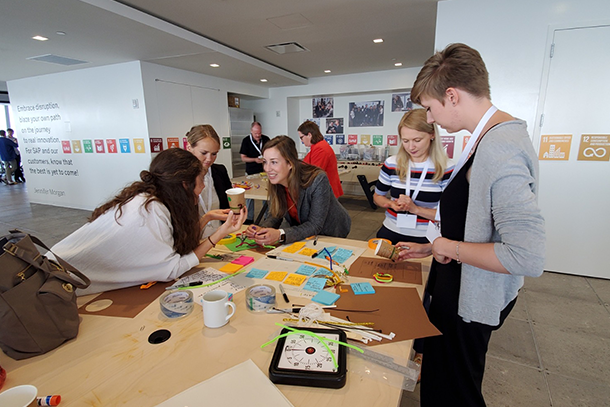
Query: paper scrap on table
{"points": [[325, 298], [362, 288], [306, 270], [257, 273], [295, 247], [208, 275], [295, 279], [315, 284], [341, 255], [220, 390], [276, 275], [308, 252], [243, 260], [231, 268]]}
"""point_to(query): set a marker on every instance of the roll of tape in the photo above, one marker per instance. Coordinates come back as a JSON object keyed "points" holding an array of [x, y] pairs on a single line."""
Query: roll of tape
{"points": [[260, 297], [228, 239], [373, 243], [176, 304]]}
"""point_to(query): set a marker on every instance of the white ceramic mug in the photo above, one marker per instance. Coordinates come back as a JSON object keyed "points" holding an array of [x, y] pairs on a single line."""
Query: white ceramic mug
{"points": [[215, 309], [19, 396]]}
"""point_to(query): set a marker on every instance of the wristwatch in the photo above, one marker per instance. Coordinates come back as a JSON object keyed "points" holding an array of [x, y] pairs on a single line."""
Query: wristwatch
{"points": [[282, 236]]}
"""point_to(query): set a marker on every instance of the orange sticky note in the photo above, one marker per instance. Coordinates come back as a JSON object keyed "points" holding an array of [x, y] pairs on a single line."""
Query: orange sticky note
{"points": [[308, 252], [230, 268], [295, 279], [276, 275], [295, 247]]}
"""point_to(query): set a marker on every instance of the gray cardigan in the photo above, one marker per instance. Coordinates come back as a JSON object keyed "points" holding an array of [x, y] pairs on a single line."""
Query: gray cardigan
{"points": [[502, 208], [320, 213]]}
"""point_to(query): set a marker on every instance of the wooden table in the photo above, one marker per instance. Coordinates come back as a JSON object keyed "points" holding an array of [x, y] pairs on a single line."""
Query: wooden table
{"points": [[111, 363]]}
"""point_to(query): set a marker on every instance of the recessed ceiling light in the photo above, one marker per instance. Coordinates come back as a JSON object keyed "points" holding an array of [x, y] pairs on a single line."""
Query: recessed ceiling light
{"points": [[263, 80], [214, 65], [398, 64], [327, 71], [60, 33], [39, 38], [378, 40]]}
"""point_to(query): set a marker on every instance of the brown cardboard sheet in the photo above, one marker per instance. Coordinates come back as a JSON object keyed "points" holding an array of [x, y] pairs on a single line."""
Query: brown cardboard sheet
{"points": [[126, 302], [400, 311], [403, 271]]}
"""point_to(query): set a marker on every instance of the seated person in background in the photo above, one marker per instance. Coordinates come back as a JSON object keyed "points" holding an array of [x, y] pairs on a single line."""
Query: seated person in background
{"points": [[321, 154], [149, 231], [413, 199], [301, 194], [204, 143]]}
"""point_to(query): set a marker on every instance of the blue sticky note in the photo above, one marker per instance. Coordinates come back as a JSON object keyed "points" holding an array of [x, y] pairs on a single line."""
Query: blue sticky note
{"points": [[315, 284], [325, 298], [362, 288], [257, 273], [341, 255], [323, 272], [305, 270]]}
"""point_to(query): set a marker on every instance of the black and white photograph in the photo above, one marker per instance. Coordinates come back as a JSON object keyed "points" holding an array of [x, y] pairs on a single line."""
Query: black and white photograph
{"points": [[366, 114], [322, 107], [401, 102], [334, 126]]}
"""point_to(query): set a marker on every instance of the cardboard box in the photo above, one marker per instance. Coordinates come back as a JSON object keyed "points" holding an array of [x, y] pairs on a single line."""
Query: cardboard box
{"points": [[233, 101]]}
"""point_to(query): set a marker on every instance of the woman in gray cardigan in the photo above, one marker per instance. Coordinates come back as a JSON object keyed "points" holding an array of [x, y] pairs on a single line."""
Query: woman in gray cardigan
{"points": [[299, 193], [491, 230]]}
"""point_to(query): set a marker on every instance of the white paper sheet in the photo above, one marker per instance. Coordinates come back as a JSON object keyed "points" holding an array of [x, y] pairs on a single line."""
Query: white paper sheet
{"points": [[254, 390]]}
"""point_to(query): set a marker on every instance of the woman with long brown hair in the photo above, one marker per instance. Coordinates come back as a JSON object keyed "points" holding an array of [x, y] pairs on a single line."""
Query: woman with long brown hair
{"points": [[301, 194], [149, 231]]}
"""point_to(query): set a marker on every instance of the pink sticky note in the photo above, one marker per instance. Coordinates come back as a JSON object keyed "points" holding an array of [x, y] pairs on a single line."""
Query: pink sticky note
{"points": [[243, 260]]}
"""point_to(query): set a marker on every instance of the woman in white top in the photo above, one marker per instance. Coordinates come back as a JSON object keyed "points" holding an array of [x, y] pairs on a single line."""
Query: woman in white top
{"points": [[204, 143], [149, 231], [413, 197]]}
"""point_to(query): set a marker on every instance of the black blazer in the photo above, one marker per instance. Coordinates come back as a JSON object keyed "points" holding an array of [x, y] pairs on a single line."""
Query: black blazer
{"points": [[222, 182]]}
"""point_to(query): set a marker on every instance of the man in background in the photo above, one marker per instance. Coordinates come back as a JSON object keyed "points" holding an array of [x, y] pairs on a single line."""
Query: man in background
{"points": [[18, 172], [251, 152], [8, 156]]}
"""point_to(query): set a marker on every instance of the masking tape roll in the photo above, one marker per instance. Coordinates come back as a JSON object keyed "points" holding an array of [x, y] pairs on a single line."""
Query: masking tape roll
{"points": [[228, 239], [176, 304], [374, 242], [260, 297]]}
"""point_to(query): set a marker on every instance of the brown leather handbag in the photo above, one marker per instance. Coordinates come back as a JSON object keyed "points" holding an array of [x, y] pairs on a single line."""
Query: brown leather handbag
{"points": [[38, 310]]}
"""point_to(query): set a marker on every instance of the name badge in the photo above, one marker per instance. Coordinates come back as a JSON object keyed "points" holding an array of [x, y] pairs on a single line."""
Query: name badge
{"points": [[404, 220]]}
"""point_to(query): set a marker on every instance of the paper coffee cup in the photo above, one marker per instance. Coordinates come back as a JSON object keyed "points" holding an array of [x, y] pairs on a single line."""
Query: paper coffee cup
{"points": [[237, 199], [387, 250]]}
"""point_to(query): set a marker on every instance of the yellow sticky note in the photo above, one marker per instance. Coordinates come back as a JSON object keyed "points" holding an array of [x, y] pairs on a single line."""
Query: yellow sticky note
{"points": [[308, 252], [276, 275], [230, 268], [295, 247], [295, 279]]}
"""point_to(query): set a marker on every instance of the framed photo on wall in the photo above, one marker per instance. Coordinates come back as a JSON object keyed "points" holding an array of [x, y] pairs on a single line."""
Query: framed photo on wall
{"points": [[334, 126], [401, 102], [322, 107], [366, 114]]}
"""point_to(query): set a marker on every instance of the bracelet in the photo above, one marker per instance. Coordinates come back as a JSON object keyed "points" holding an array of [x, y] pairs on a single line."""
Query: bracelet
{"points": [[212, 243], [457, 253]]}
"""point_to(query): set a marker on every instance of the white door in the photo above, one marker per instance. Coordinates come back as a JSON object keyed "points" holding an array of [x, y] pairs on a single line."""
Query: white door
{"points": [[575, 195]]}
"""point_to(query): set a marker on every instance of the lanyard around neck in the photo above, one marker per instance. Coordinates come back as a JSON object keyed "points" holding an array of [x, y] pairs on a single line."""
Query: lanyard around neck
{"points": [[424, 172], [467, 150], [255, 146]]}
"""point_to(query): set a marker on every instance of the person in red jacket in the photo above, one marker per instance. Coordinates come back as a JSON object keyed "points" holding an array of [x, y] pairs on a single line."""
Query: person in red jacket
{"points": [[321, 154]]}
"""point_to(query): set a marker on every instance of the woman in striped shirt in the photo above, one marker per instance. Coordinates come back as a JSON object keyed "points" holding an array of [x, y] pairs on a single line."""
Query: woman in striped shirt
{"points": [[410, 198]]}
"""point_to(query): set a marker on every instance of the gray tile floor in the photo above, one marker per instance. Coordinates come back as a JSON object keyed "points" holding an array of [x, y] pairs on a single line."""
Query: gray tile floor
{"points": [[553, 350]]}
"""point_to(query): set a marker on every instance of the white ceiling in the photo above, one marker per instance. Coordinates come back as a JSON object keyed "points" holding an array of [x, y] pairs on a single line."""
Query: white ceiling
{"points": [[192, 34]]}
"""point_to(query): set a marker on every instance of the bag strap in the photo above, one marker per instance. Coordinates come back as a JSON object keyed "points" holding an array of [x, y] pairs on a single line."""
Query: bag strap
{"points": [[20, 253]]}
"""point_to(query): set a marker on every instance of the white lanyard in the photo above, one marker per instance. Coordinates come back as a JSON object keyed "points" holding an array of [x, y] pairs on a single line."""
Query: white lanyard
{"points": [[466, 152], [424, 172], [260, 153]]}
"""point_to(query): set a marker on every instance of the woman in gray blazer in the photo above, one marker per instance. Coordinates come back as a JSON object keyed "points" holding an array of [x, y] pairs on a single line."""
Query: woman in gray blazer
{"points": [[299, 193]]}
